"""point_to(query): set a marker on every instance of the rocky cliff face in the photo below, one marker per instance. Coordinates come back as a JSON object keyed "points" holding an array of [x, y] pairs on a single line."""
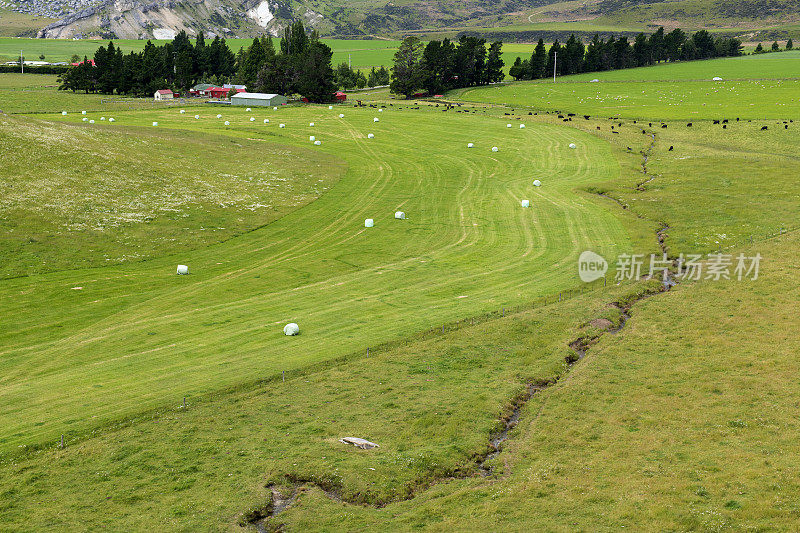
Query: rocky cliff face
{"points": [[162, 19]]}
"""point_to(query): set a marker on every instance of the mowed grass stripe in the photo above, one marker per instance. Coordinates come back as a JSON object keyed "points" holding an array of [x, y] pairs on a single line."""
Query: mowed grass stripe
{"points": [[348, 288]]}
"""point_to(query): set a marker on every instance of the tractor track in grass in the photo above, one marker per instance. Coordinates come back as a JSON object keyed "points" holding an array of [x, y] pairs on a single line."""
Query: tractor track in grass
{"points": [[266, 518]]}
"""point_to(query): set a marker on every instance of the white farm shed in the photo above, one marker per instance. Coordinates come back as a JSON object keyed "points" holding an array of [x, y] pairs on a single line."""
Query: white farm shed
{"points": [[163, 94], [258, 99]]}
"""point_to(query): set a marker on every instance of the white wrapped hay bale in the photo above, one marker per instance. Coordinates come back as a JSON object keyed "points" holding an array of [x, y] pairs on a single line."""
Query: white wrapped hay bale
{"points": [[84, 119], [508, 125], [380, 110], [311, 124], [368, 223], [111, 119], [91, 121], [266, 121], [102, 118], [83, 112], [495, 149], [522, 126], [252, 119], [572, 145], [470, 145], [341, 115], [376, 119], [183, 111], [197, 117], [64, 113], [537, 183], [312, 138], [227, 123], [291, 329], [370, 136], [317, 143], [219, 116], [247, 110], [183, 270], [274, 108], [330, 107], [526, 203], [282, 125], [399, 215]]}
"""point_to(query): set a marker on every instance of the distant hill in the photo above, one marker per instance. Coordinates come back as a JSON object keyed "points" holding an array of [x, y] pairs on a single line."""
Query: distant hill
{"points": [[512, 19]]}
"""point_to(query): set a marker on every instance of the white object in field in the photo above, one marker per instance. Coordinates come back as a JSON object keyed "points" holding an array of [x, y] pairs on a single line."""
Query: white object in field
{"points": [[376, 119], [470, 145], [83, 112], [102, 118], [84, 119], [274, 108], [341, 115], [266, 121], [508, 125], [282, 126], [252, 119], [330, 107], [247, 110], [399, 215], [526, 203], [522, 126], [311, 124], [495, 149], [359, 443], [91, 121], [317, 143], [312, 138], [380, 110], [594, 80], [572, 145], [197, 117], [291, 329], [183, 269], [111, 119], [716, 78], [370, 136], [183, 111], [537, 183], [219, 116], [368, 223], [64, 113], [227, 123]]}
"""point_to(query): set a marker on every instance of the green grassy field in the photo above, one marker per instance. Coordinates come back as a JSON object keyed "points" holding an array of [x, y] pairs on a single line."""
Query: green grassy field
{"points": [[681, 421], [753, 87]]}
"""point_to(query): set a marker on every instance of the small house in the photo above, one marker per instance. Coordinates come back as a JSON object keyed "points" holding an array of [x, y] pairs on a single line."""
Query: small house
{"points": [[163, 94], [218, 92], [340, 96]]}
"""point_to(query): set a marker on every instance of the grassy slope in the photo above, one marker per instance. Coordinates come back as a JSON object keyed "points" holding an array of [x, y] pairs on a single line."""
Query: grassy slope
{"points": [[142, 330], [13, 24]]}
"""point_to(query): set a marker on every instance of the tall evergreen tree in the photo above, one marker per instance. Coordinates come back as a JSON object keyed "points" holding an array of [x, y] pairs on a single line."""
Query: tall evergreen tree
{"points": [[538, 61], [494, 63], [407, 73]]}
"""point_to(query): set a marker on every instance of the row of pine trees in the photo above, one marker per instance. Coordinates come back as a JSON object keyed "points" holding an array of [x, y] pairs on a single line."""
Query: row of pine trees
{"points": [[619, 53]]}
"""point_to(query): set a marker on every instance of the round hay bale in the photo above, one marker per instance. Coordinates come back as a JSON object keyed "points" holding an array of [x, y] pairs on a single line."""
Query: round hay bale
{"points": [[219, 116], [399, 215], [183, 111], [376, 119], [537, 183], [83, 112], [183, 269], [312, 138], [380, 110], [526, 203], [266, 121], [522, 126], [155, 123], [341, 115], [247, 110], [330, 107], [291, 329], [274, 108], [508, 125], [368, 223], [227, 122], [252, 119], [311, 124], [197, 117], [91, 121], [495, 149], [111, 119], [102, 118], [282, 125], [84, 119], [370, 136], [317, 143], [470, 145], [572, 145]]}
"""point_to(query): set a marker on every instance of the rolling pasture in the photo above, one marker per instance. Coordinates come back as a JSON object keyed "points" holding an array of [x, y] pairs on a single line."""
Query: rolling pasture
{"points": [[136, 336], [753, 87]]}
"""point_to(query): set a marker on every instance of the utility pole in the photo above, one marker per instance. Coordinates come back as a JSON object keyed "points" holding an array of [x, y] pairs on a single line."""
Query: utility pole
{"points": [[21, 63], [350, 60], [555, 63]]}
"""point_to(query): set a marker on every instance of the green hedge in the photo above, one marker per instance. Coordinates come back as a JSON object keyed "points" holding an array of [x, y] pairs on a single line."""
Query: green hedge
{"points": [[38, 69]]}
